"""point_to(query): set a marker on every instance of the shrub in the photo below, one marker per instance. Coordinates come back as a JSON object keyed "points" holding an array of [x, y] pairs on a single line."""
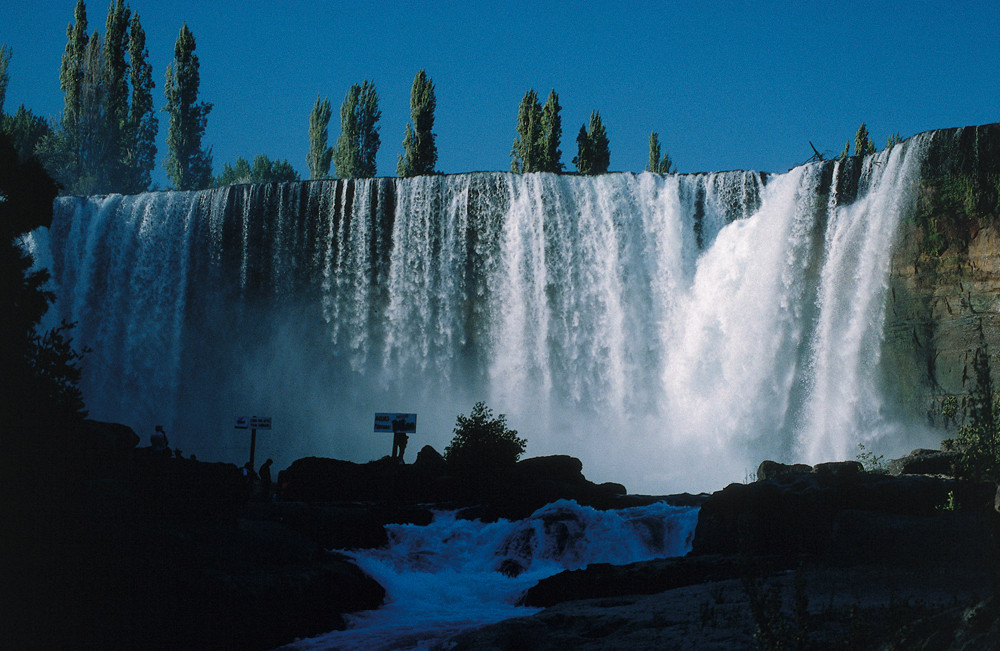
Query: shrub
{"points": [[482, 441]]}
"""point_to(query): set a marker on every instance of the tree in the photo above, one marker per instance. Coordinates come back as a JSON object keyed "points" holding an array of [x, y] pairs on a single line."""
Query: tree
{"points": [[483, 442], [847, 150], [5, 54], [140, 134], [40, 400], [358, 143], [419, 151], [657, 164], [264, 170], [25, 130], [525, 153], [593, 152], [116, 91], [863, 145], [63, 150], [105, 139], [188, 165], [894, 140], [320, 154], [550, 136]]}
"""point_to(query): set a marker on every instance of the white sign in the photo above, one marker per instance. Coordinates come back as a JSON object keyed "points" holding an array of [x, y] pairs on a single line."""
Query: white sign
{"points": [[395, 422], [242, 422], [260, 422]]}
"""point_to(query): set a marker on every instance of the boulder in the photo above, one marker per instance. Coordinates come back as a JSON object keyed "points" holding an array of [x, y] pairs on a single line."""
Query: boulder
{"points": [[431, 460], [795, 514], [839, 468], [558, 468], [926, 462], [771, 469]]}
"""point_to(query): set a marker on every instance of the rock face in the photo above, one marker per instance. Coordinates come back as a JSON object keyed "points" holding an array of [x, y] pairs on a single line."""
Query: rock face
{"points": [[943, 302]]}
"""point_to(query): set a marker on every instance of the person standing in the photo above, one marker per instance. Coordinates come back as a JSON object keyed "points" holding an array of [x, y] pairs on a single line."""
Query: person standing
{"points": [[265, 479]]}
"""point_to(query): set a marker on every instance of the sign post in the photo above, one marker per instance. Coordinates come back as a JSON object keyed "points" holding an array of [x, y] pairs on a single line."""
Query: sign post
{"points": [[399, 425], [253, 424]]}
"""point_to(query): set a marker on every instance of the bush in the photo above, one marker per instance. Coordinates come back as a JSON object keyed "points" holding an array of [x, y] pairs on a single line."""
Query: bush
{"points": [[483, 442], [979, 440]]}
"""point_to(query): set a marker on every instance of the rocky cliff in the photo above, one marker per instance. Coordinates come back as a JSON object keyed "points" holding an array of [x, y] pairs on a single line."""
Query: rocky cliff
{"points": [[944, 300]]}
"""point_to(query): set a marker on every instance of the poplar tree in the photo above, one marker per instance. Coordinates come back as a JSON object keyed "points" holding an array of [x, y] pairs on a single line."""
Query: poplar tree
{"points": [[116, 93], [320, 154], [863, 145], [358, 143], [657, 164], [525, 153], [5, 54], [551, 135], [95, 144], [593, 151], [62, 151], [419, 151], [142, 124], [188, 165]]}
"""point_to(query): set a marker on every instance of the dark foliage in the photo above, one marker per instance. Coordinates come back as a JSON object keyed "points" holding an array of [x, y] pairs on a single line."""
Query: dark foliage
{"points": [[483, 442]]}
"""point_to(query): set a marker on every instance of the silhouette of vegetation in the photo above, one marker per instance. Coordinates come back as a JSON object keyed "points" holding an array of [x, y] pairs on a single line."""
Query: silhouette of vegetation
{"points": [[40, 401], [483, 442]]}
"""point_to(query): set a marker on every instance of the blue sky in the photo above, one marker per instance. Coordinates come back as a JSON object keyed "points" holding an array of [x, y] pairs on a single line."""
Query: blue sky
{"points": [[727, 85]]}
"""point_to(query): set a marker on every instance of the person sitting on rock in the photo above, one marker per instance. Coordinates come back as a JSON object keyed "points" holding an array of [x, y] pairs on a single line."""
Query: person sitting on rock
{"points": [[161, 447]]}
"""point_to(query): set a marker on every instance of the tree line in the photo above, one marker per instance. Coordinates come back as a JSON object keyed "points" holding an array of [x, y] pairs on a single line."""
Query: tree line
{"points": [[105, 139]]}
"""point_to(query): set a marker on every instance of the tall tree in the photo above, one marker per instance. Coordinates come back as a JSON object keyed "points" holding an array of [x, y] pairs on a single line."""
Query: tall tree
{"points": [[95, 144], [593, 151], [188, 165], [550, 135], [63, 151], [5, 54], [656, 163], [116, 91], [894, 140], [863, 144], [525, 153], [358, 143], [142, 125], [320, 154], [419, 151]]}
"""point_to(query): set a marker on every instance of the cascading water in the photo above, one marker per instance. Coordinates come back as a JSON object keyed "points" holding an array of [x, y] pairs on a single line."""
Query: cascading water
{"points": [[671, 331], [443, 578]]}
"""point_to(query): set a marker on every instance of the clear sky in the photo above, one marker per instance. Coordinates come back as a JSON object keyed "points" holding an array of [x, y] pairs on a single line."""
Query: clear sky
{"points": [[735, 85]]}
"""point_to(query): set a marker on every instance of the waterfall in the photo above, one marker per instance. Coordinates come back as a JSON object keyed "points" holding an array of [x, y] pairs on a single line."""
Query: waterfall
{"points": [[670, 330]]}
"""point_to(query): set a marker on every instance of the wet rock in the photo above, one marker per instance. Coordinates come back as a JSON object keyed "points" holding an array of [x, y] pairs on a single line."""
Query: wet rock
{"points": [[771, 469]]}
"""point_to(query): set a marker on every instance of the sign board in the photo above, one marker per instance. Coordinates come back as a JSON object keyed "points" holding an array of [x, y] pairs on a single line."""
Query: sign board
{"points": [[260, 422], [396, 423], [253, 422]]}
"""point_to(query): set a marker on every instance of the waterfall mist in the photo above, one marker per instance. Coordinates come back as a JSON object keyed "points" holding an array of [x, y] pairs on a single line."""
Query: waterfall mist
{"points": [[671, 331]]}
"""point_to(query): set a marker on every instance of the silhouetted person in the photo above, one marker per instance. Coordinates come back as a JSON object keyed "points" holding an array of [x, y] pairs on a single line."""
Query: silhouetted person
{"points": [[399, 440], [159, 442], [265, 479]]}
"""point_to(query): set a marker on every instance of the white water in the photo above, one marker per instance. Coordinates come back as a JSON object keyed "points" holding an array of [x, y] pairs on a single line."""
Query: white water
{"points": [[671, 331], [442, 579]]}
